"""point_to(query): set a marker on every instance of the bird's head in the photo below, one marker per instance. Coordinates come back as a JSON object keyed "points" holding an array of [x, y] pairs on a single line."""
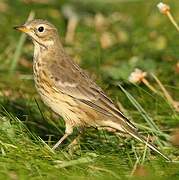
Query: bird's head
{"points": [[41, 31]]}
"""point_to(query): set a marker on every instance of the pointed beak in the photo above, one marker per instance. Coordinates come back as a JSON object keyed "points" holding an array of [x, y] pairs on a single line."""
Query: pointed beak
{"points": [[22, 29]]}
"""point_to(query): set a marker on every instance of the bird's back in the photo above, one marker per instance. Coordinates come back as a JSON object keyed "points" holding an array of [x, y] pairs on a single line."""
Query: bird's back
{"points": [[68, 81]]}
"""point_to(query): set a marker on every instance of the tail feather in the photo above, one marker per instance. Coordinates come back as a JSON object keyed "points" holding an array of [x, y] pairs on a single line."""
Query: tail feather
{"points": [[151, 146], [133, 132]]}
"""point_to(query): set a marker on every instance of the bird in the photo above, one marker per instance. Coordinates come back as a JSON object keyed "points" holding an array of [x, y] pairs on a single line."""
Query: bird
{"points": [[68, 90]]}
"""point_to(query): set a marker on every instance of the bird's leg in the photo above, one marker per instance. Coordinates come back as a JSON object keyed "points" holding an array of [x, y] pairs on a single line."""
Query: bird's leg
{"points": [[74, 145], [60, 141], [68, 131], [75, 141]]}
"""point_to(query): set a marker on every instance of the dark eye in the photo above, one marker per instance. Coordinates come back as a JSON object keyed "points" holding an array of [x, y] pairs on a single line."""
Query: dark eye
{"points": [[41, 29]]}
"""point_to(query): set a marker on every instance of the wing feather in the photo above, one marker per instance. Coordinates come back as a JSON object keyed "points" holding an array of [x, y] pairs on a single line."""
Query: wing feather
{"points": [[70, 79]]}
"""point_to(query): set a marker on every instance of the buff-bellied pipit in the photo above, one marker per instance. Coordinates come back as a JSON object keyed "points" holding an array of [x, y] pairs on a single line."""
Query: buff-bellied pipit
{"points": [[68, 90]]}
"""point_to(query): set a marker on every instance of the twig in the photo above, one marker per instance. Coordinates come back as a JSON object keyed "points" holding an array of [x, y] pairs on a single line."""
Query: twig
{"points": [[174, 103]]}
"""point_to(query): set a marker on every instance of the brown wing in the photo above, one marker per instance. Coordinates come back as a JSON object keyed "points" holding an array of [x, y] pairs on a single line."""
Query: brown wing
{"points": [[70, 79]]}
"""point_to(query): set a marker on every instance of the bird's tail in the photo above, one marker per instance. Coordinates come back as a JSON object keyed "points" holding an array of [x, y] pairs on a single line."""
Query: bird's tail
{"points": [[151, 146], [133, 132]]}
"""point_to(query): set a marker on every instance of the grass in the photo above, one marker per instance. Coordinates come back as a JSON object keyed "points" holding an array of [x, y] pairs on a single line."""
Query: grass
{"points": [[28, 128]]}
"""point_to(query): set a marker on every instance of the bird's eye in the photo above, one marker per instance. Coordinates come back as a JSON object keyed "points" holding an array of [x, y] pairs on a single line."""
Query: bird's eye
{"points": [[41, 29]]}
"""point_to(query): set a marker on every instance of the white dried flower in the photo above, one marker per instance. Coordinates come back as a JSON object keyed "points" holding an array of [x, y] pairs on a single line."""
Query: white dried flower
{"points": [[107, 40], [100, 22], [137, 76], [163, 8]]}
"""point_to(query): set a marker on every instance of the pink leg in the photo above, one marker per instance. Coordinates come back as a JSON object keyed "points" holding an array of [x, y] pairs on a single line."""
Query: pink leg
{"points": [[68, 131]]}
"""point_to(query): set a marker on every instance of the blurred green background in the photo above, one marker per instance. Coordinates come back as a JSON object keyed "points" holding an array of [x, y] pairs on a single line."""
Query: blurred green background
{"points": [[111, 39]]}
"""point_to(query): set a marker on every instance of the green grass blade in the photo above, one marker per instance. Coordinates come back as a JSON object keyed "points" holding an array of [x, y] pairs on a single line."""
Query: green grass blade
{"points": [[19, 47], [143, 113]]}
